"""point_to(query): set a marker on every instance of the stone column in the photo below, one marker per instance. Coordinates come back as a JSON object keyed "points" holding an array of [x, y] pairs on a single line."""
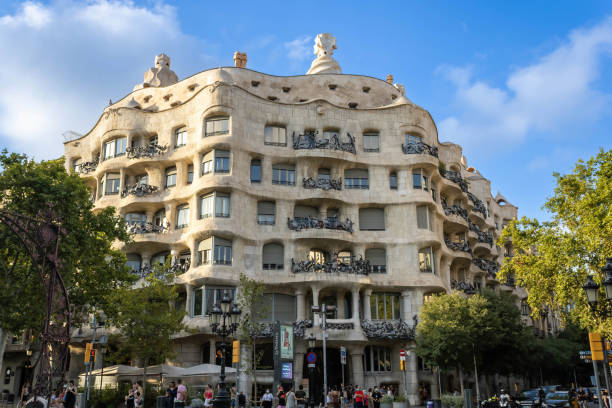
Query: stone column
{"points": [[298, 362], [245, 380], [301, 304], [315, 302], [213, 351], [367, 310], [355, 317], [188, 298], [406, 305], [197, 167], [412, 376], [122, 180], [146, 259], [340, 312], [357, 375]]}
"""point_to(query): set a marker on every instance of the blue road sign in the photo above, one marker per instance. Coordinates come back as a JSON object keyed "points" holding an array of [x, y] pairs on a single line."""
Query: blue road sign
{"points": [[311, 357]]}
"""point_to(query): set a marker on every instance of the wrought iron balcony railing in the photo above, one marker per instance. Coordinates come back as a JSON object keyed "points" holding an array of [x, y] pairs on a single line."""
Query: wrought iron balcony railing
{"points": [[300, 223], [322, 183], [176, 268], [479, 206], [388, 329], [483, 236], [465, 287], [455, 209], [139, 190], [456, 178], [90, 166], [309, 140], [458, 246], [148, 151], [145, 228], [489, 266], [355, 266], [420, 148]]}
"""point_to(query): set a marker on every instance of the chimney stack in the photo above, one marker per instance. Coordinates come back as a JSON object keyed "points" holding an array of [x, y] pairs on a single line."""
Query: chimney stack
{"points": [[240, 59], [390, 79]]}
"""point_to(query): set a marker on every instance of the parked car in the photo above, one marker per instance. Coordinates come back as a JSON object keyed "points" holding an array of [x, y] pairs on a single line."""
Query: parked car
{"points": [[527, 398], [558, 399]]}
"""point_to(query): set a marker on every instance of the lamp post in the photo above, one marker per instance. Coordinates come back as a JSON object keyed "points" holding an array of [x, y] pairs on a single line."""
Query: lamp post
{"points": [[591, 290], [311, 345], [225, 317], [322, 312]]}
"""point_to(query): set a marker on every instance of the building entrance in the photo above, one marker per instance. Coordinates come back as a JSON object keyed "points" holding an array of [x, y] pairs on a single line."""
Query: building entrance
{"points": [[334, 372]]}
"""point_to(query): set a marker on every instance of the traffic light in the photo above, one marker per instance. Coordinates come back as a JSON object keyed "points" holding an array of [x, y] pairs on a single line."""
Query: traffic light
{"points": [[402, 365], [88, 348], [236, 351]]}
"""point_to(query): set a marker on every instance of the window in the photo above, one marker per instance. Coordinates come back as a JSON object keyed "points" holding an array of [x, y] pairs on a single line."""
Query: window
{"points": [[76, 165], [377, 358], [275, 136], [413, 139], [385, 306], [255, 171], [328, 134], [356, 178], [378, 259], [317, 256], [305, 211], [215, 203], [133, 262], [281, 307], [159, 258], [393, 180], [206, 206], [283, 174], [372, 219], [180, 137], [424, 216], [205, 298], [222, 161], [159, 218], [419, 179], [216, 126], [133, 218], [204, 252], [170, 176], [266, 211], [190, 174], [273, 256], [426, 260], [371, 142], [112, 182], [114, 148], [223, 251], [198, 301], [324, 175], [496, 222], [345, 257], [142, 179], [182, 216]]}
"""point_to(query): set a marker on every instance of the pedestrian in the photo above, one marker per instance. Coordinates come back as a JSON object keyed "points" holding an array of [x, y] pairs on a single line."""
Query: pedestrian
{"points": [[376, 397], [335, 396], [266, 399], [138, 395], [390, 391], [291, 402], [208, 396], [300, 397], [604, 397], [282, 398], [70, 396], [358, 397], [181, 395], [129, 399], [170, 394], [241, 400], [328, 399]]}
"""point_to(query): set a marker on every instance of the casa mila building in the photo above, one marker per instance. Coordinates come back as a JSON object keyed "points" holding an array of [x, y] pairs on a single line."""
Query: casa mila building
{"points": [[329, 188]]}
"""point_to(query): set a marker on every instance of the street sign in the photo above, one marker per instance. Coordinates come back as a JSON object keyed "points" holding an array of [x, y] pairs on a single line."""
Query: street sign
{"points": [[311, 358], [596, 347], [342, 355]]}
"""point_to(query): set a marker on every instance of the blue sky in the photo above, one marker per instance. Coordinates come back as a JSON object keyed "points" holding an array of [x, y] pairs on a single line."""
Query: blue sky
{"points": [[524, 87]]}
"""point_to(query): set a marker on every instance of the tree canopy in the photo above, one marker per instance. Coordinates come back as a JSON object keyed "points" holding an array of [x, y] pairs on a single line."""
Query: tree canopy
{"points": [[90, 267], [552, 259]]}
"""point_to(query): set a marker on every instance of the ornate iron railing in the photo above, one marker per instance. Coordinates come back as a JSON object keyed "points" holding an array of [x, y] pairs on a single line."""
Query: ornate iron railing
{"points": [[300, 223], [483, 236], [356, 266], [420, 148], [148, 151], [145, 228], [510, 282], [456, 178], [391, 330], [455, 209], [176, 268], [323, 184], [458, 246], [266, 329], [489, 266], [309, 140], [463, 287], [139, 190], [479, 206], [340, 326], [90, 166]]}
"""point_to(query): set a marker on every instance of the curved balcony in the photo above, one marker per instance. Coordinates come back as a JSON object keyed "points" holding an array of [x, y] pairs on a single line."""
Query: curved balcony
{"points": [[332, 223], [420, 148], [323, 184], [456, 178], [479, 206], [491, 267], [149, 151], [464, 287], [388, 330], [353, 267], [146, 228], [459, 246], [89, 167], [309, 141], [139, 190]]}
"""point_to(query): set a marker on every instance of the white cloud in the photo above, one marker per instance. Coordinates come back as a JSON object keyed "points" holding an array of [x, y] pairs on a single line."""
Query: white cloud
{"points": [[63, 61], [553, 92], [300, 49]]}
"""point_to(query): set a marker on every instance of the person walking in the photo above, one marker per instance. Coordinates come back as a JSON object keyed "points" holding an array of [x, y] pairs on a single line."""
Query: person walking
{"points": [[181, 395], [376, 397], [335, 396], [129, 399], [282, 398], [170, 394], [241, 400], [358, 397], [138, 395], [266, 399], [291, 401], [70, 396], [300, 397]]}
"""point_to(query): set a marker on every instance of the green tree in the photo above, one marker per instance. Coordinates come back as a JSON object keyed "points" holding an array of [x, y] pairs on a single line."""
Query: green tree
{"points": [[552, 259], [146, 318], [251, 301], [90, 267]]}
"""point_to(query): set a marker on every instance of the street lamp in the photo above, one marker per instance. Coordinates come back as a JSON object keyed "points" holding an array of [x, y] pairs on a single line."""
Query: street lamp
{"points": [[322, 312], [311, 344], [225, 317]]}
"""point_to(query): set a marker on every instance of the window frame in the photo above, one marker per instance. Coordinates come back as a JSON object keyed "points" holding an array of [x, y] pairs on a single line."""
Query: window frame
{"points": [[180, 137], [116, 183], [184, 210], [289, 175], [170, 173], [351, 183], [272, 266], [213, 120], [423, 179], [256, 163], [371, 135], [422, 263], [261, 221], [117, 149], [276, 139], [393, 176], [429, 217], [395, 302]]}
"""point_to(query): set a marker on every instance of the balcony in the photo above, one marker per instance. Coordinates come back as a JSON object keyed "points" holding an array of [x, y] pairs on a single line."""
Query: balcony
{"points": [[145, 228], [485, 237], [489, 266], [355, 266], [309, 140], [388, 329], [266, 329], [90, 166], [456, 178], [149, 151], [333, 223], [322, 183], [420, 148], [139, 190], [464, 287], [455, 209], [458, 246], [479, 206], [176, 268]]}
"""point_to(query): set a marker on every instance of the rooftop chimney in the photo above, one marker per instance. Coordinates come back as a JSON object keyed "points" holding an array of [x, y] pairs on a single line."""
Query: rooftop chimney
{"points": [[240, 59], [390, 79]]}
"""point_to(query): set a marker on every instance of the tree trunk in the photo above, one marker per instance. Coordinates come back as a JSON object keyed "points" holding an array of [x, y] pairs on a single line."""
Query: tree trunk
{"points": [[3, 337], [435, 384], [476, 380], [460, 370], [254, 363]]}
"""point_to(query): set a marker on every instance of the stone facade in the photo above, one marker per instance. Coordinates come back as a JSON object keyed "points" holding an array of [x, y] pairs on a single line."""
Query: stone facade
{"points": [[288, 163]]}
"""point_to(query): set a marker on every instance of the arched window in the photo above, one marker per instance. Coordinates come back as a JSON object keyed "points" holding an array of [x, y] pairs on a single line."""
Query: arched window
{"points": [[413, 139], [273, 256]]}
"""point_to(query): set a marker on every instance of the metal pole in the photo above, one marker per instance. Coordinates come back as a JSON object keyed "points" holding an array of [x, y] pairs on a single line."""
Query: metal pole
{"points": [[605, 363], [599, 396], [324, 327]]}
